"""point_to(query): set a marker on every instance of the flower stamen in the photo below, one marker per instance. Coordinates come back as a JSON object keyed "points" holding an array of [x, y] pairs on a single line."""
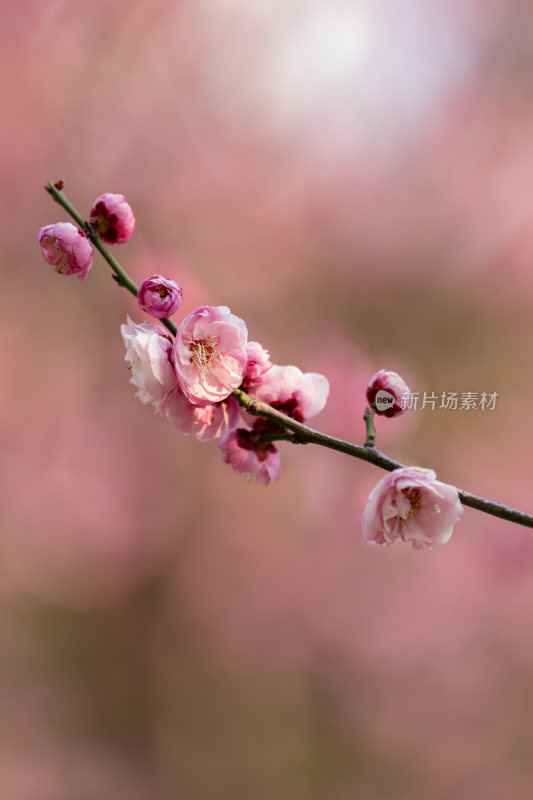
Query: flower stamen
{"points": [[414, 495], [205, 354]]}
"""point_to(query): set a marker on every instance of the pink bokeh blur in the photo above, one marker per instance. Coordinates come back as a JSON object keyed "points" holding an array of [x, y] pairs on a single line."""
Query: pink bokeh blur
{"points": [[352, 179]]}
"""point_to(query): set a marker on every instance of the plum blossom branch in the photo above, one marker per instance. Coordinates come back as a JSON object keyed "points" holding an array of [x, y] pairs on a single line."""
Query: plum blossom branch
{"points": [[307, 435], [291, 429]]}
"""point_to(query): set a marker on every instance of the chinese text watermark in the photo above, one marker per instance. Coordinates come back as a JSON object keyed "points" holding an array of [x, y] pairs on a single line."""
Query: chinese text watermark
{"points": [[450, 401]]}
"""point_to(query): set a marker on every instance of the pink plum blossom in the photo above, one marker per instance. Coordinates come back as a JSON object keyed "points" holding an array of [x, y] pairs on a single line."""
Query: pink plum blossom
{"points": [[148, 350], [297, 394], [113, 218], [388, 393], [209, 354], [159, 296], [410, 504], [67, 248], [204, 422], [257, 365], [248, 455]]}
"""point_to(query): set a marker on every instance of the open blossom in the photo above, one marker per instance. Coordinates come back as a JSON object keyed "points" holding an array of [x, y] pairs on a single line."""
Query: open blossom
{"points": [[410, 504], [249, 456], [159, 297], [113, 218], [67, 248], [210, 354], [257, 365], [204, 422], [388, 393], [148, 350], [297, 394]]}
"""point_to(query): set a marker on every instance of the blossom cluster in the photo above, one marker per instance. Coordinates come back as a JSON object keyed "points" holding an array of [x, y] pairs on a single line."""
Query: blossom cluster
{"points": [[191, 379]]}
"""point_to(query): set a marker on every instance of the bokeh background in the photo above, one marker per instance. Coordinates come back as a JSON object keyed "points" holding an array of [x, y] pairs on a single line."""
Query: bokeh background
{"points": [[354, 179]]}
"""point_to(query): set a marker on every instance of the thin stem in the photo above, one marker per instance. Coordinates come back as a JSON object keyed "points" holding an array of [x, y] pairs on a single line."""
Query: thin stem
{"points": [[308, 435], [121, 277], [296, 432], [374, 456], [368, 417]]}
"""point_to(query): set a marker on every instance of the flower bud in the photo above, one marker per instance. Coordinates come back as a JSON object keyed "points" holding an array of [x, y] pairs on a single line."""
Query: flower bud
{"points": [[388, 394], [67, 248], [113, 218], [159, 297], [257, 365]]}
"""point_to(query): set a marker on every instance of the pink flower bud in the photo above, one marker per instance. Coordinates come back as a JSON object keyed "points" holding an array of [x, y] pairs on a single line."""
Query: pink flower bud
{"points": [[159, 297], [210, 354], [257, 365], [249, 456], [113, 218], [410, 504], [67, 248], [388, 394]]}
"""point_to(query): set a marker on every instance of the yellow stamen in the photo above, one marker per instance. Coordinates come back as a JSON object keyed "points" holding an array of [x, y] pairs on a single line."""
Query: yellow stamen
{"points": [[414, 496], [205, 354]]}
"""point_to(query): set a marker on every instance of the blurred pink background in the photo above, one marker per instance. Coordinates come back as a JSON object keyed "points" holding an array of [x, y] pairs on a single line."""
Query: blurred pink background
{"points": [[354, 180]]}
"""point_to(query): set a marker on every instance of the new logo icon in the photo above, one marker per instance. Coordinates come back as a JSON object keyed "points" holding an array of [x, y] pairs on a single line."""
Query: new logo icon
{"points": [[384, 400]]}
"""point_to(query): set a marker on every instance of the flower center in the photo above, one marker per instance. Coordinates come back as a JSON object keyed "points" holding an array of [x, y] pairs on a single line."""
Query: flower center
{"points": [[60, 257], [205, 354], [162, 292], [289, 407], [251, 440], [414, 496], [105, 222]]}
